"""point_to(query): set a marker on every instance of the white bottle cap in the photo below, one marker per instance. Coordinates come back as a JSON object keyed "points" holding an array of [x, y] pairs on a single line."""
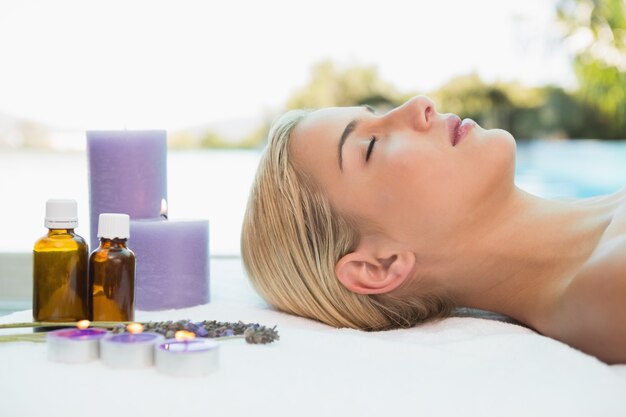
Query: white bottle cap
{"points": [[61, 214], [114, 226]]}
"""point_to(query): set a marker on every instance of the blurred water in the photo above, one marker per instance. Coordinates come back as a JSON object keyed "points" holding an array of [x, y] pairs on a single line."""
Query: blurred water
{"points": [[214, 185], [565, 169]]}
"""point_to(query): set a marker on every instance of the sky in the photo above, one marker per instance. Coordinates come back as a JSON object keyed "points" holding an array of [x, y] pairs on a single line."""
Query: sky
{"points": [[115, 64]]}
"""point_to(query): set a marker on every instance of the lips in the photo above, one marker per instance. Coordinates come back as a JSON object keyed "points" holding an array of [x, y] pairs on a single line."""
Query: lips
{"points": [[454, 122], [458, 129]]}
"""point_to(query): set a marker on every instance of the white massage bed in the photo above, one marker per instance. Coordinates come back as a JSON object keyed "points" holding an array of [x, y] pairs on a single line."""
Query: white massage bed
{"points": [[462, 366]]}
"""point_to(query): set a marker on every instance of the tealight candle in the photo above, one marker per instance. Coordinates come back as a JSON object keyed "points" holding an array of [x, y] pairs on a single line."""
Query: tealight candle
{"points": [[187, 356], [75, 345], [129, 350]]}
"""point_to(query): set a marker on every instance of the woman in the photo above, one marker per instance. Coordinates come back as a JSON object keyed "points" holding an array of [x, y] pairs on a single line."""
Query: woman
{"points": [[380, 221]]}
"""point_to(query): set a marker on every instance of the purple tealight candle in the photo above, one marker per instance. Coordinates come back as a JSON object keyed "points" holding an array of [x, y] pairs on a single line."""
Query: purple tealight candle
{"points": [[74, 345], [127, 174], [172, 269], [129, 350], [187, 356]]}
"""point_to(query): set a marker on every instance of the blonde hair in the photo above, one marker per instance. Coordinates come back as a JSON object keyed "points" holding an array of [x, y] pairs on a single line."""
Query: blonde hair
{"points": [[292, 238]]}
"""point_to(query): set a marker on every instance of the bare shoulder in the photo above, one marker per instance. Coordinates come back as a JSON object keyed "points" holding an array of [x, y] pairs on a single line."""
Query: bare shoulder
{"points": [[591, 312]]}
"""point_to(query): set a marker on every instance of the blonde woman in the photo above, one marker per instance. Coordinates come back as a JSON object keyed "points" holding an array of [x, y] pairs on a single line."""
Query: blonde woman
{"points": [[381, 221]]}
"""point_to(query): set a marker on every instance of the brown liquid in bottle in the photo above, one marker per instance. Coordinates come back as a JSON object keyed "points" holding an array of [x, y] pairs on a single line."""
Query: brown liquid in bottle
{"points": [[112, 277], [60, 287]]}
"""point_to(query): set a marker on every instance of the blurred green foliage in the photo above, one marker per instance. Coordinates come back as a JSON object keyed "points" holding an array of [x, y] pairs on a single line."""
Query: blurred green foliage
{"points": [[212, 139], [331, 86], [598, 29], [527, 112], [596, 109]]}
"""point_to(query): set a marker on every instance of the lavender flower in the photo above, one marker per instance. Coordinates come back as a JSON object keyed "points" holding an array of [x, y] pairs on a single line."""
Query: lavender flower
{"points": [[253, 333]]}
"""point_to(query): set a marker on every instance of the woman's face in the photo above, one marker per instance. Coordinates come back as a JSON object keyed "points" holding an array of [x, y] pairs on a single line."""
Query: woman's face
{"points": [[411, 169]]}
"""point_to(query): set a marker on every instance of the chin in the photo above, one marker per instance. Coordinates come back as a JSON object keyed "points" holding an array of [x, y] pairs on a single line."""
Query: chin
{"points": [[502, 153], [501, 141], [506, 135], [500, 134]]}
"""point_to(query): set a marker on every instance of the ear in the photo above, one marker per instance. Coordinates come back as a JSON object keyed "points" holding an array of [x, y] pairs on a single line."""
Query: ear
{"points": [[364, 273]]}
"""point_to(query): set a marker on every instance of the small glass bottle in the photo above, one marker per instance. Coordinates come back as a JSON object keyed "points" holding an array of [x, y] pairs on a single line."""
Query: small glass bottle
{"points": [[61, 291], [112, 270]]}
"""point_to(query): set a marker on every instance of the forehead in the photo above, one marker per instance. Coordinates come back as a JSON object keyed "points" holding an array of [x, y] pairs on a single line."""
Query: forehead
{"points": [[332, 117], [320, 130], [314, 143]]}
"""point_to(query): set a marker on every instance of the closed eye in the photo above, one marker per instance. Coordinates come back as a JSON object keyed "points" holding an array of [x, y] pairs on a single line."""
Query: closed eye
{"points": [[370, 148]]}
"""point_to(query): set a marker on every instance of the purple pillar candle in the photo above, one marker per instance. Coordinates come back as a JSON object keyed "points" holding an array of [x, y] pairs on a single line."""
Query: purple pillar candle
{"points": [[172, 263], [127, 174]]}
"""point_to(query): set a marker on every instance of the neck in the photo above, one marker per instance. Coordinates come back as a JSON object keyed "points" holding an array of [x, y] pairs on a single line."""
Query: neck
{"points": [[518, 258]]}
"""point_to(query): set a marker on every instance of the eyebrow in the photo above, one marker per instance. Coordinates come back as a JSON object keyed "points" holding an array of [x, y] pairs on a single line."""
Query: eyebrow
{"points": [[346, 132]]}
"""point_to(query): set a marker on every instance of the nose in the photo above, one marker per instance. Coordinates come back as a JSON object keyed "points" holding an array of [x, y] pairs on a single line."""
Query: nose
{"points": [[419, 112]]}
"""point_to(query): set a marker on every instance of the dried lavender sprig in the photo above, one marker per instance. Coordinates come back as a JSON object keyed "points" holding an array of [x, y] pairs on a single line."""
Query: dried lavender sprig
{"points": [[252, 332], [23, 337], [258, 334], [44, 324]]}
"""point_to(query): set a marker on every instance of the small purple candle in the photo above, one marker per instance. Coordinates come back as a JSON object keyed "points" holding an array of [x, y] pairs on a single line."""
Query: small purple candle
{"points": [[74, 345], [129, 350], [187, 357], [127, 174], [172, 269]]}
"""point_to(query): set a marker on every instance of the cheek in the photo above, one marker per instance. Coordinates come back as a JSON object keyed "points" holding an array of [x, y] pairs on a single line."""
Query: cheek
{"points": [[415, 160], [415, 180], [436, 183]]}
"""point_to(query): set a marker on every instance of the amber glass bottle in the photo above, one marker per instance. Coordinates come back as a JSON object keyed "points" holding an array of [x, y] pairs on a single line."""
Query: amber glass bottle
{"points": [[60, 286], [112, 271]]}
